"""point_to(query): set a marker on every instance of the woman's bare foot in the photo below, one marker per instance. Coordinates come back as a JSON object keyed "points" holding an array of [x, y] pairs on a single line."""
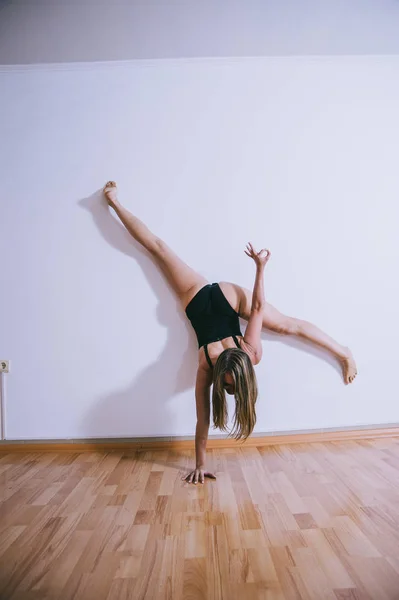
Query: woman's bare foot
{"points": [[348, 367], [111, 193]]}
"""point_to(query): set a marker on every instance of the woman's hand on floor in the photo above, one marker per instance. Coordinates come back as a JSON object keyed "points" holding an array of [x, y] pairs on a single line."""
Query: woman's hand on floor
{"points": [[198, 475]]}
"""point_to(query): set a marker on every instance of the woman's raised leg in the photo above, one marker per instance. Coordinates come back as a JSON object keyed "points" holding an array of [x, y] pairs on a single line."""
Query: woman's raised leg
{"points": [[241, 299], [184, 280]]}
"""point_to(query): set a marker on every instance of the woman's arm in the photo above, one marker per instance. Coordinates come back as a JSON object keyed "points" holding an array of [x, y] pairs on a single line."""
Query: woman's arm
{"points": [[202, 399], [255, 321], [202, 403]]}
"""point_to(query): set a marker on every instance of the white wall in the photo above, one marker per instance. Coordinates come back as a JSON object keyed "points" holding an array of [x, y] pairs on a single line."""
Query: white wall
{"points": [[298, 154], [40, 31]]}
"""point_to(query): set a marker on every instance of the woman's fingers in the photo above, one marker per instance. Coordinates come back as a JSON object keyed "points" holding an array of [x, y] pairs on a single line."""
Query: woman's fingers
{"points": [[197, 476], [192, 477], [250, 250], [189, 478]]}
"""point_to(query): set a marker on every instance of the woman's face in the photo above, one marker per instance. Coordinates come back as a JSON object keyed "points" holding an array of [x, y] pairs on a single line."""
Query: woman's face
{"points": [[228, 384]]}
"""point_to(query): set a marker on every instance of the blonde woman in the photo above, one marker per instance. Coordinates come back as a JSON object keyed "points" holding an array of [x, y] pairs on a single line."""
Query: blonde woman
{"points": [[226, 357]]}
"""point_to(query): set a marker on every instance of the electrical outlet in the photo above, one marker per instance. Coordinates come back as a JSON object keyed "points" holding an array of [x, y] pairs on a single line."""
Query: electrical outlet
{"points": [[4, 366]]}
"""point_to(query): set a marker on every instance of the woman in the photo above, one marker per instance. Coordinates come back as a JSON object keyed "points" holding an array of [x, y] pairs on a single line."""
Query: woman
{"points": [[226, 357]]}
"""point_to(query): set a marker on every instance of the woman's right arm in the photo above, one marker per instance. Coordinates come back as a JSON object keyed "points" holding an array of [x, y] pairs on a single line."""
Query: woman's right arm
{"points": [[252, 334], [202, 400]]}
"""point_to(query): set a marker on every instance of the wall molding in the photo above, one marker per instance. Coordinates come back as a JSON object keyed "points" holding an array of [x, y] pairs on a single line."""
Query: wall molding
{"points": [[192, 60], [187, 443]]}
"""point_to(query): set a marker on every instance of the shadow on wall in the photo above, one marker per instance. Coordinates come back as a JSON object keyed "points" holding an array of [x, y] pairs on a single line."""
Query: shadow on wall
{"points": [[174, 370]]}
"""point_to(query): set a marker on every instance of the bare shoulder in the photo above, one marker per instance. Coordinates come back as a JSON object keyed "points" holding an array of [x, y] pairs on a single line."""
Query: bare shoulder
{"points": [[255, 359]]}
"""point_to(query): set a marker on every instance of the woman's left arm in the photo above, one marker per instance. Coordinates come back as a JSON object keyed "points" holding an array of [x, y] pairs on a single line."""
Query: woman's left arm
{"points": [[255, 321]]}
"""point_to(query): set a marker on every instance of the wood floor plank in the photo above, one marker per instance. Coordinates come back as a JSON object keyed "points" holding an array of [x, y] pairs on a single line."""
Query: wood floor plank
{"points": [[195, 579], [57, 574], [122, 589], [290, 522]]}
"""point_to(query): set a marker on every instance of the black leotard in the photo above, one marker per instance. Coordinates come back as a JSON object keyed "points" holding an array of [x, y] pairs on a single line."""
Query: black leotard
{"points": [[212, 317]]}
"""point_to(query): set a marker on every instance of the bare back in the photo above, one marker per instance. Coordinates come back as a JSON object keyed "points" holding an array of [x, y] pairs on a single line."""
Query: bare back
{"points": [[216, 348]]}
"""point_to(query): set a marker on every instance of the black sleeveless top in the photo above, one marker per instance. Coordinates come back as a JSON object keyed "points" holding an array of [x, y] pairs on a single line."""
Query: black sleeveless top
{"points": [[212, 317]]}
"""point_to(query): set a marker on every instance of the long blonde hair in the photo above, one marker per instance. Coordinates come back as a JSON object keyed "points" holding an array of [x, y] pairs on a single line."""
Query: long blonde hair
{"points": [[237, 363]]}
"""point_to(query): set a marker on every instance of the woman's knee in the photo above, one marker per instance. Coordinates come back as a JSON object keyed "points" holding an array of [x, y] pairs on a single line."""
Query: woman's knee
{"points": [[157, 247]]}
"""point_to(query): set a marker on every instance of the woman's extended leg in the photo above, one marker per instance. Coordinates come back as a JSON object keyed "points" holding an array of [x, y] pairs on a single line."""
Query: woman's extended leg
{"points": [[184, 280], [241, 299]]}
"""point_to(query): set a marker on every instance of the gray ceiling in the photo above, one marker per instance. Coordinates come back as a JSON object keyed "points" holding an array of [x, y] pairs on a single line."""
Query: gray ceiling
{"points": [[42, 31]]}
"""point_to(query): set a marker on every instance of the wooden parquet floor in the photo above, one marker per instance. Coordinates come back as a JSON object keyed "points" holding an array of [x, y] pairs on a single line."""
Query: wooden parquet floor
{"points": [[315, 521]]}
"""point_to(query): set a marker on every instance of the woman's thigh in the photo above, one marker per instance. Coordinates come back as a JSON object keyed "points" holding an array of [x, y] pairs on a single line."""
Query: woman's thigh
{"points": [[240, 299], [185, 281]]}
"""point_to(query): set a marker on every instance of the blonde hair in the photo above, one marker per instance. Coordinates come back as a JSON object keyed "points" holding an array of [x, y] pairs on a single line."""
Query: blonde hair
{"points": [[237, 363]]}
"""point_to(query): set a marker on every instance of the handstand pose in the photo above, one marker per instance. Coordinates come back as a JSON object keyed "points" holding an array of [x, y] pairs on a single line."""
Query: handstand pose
{"points": [[226, 357]]}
